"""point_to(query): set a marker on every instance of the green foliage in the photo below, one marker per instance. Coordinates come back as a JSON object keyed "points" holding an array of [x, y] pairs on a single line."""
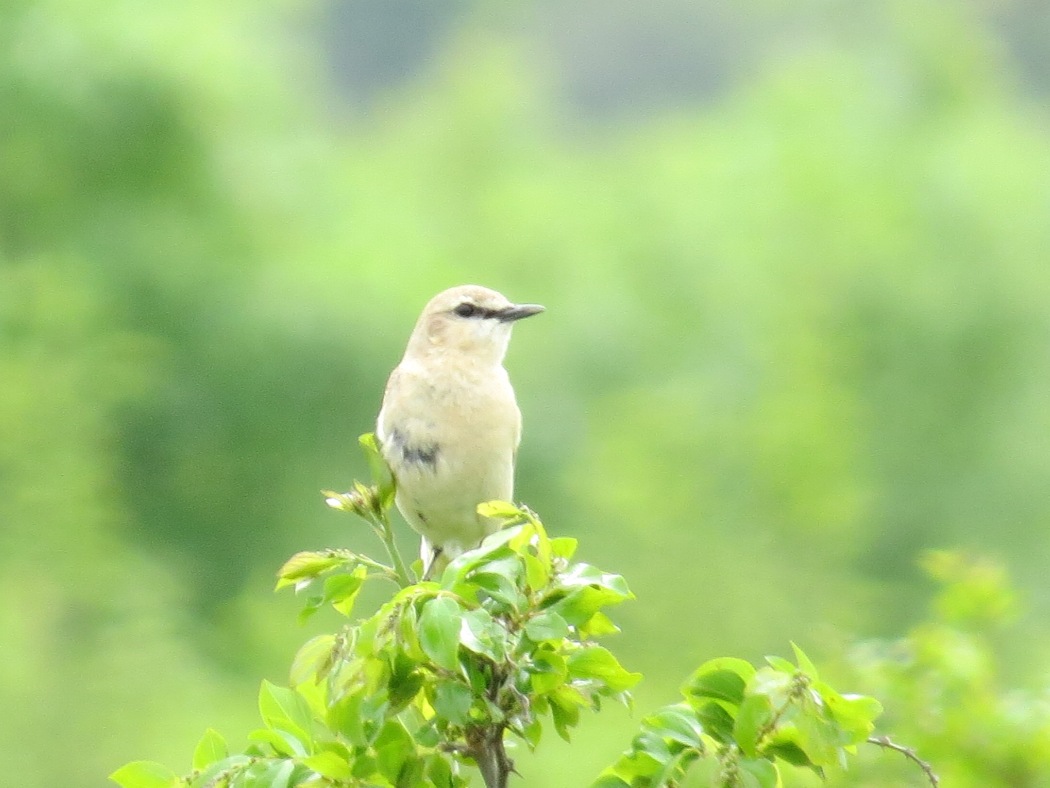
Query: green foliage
{"points": [[751, 721], [944, 690], [502, 645], [433, 679]]}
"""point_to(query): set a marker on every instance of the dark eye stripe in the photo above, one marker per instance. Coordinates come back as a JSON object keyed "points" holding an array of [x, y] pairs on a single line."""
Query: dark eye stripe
{"points": [[467, 309]]}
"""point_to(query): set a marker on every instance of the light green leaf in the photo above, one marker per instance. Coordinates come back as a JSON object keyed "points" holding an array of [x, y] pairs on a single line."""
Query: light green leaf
{"points": [[285, 710], [805, 664], [439, 627], [306, 565], [754, 714], [145, 774], [212, 747], [721, 679], [547, 625], [537, 573], [380, 471], [758, 773], [564, 546], [452, 701], [854, 714], [548, 671], [313, 660], [283, 743], [587, 575], [341, 590], [599, 663], [394, 746], [597, 625], [502, 510], [482, 634], [329, 764]]}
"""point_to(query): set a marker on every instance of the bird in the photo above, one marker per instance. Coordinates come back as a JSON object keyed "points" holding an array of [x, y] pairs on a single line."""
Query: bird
{"points": [[449, 425]]}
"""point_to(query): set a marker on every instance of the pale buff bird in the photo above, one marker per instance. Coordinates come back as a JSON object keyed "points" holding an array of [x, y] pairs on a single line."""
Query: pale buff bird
{"points": [[449, 426]]}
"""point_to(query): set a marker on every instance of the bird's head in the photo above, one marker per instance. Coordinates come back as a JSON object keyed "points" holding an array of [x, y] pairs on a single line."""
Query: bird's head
{"points": [[468, 319]]}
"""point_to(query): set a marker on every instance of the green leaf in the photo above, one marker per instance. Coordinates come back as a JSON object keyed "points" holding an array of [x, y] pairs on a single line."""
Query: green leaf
{"points": [[341, 590], [305, 566], [854, 714], [283, 743], [502, 510], [404, 683], [394, 747], [548, 671], [720, 679], [758, 773], [145, 774], [380, 471], [329, 764], [546, 625], [804, 663], [439, 626], [599, 663], [313, 659], [597, 625], [268, 774], [231, 765], [565, 709], [285, 710], [564, 546], [581, 604], [754, 714], [537, 573], [677, 723], [212, 747], [483, 634], [452, 701], [587, 575], [781, 664], [439, 773], [716, 721]]}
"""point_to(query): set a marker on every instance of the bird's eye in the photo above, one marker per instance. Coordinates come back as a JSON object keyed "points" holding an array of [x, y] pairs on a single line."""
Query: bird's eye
{"points": [[466, 309]]}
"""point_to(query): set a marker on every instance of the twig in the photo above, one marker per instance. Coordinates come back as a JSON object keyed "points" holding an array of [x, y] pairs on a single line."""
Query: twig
{"points": [[386, 534], [910, 754]]}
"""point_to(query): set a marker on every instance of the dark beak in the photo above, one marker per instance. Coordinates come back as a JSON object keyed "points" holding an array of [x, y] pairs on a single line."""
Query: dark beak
{"points": [[518, 311]]}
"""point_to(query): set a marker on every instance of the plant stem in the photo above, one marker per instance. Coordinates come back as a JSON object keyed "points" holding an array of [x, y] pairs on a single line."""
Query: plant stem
{"points": [[485, 745], [910, 754], [386, 534]]}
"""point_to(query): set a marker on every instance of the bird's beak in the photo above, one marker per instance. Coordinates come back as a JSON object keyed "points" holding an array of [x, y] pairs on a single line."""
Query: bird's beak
{"points": [[518, 311]]}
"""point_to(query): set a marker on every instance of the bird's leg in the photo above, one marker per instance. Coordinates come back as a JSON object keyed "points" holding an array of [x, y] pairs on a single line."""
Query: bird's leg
{"points": [[431, 560]]}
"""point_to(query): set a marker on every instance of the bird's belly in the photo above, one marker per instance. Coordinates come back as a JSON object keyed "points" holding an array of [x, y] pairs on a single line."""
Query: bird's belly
{"points": [[440, 501]]}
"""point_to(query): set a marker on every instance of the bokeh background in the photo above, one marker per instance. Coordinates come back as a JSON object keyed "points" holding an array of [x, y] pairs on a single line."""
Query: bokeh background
{"points": [[796, 259]]}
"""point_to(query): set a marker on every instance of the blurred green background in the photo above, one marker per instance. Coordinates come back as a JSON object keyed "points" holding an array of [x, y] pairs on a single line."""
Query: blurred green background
{"points": [[796, 259]]}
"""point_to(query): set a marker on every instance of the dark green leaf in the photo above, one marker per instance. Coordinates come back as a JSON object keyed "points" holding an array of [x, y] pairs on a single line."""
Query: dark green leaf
{"points": [[716, 721]]}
